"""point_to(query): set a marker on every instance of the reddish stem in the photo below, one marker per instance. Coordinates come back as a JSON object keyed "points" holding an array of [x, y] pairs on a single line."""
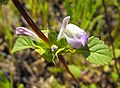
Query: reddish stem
{"points": [[29, 20], [66, 66]]}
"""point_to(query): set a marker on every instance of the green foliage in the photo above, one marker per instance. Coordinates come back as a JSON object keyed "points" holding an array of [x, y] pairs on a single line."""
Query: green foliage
{"points": [[96, 51], [117, 53], [55, 69], [87, 14], [9, 35], [114, 76], [38, 8], [82, 11], [23, 43], [4, 82], [93, 85], [20, 86], [48, 55], [99, 52], [5, 25], [117, 42], [75, 70], [3, 2], [52, 37]]}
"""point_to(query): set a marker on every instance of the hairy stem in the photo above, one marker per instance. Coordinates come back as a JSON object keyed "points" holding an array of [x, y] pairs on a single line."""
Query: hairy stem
{"points": [[38, 32]]}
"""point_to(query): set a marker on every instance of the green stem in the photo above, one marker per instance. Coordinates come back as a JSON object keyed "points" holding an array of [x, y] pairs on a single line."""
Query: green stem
{"points": [[11, 80]]}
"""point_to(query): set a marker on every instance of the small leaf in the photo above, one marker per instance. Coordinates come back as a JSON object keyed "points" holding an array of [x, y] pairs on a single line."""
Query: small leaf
{"points": [[52, 37], [4, 82], [20, 86], [23, 42], [48, 55], [55, 69], [96, 51], [42, 44], [62, 43], [39, 49], [75, 70]]}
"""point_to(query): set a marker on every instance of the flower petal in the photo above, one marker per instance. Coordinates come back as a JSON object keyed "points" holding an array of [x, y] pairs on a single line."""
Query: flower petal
{"points": [[84, 39], [73, 29], [64, 24], [74, 43], [26, 32], [75, 36]]}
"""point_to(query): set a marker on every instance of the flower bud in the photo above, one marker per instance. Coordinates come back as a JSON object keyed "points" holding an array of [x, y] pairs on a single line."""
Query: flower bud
{"points": [[26, 32], [54, 47]]}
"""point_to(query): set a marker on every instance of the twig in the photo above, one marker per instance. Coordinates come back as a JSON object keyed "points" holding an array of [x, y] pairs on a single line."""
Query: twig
{"points": [[109, 27]]}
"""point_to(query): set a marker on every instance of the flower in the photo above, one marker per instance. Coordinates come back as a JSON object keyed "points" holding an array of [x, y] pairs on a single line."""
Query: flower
{"points": [[26, 32], [75, 36]]}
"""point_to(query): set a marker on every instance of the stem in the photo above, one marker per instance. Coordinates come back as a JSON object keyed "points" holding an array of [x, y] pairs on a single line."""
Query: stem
{"points": [[30, 21], [39, 33], [11, 80], [66, 66], [109, 31]]}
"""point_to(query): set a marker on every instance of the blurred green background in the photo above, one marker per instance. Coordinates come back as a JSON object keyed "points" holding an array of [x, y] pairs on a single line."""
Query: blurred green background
{"points": [[27, 69]]}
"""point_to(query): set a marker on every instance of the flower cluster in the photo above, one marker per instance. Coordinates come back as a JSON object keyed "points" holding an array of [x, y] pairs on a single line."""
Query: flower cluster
{"points": [[75, 36]]}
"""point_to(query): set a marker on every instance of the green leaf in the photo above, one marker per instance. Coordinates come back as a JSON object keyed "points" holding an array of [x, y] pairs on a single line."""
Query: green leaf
{"points": [[48, 55], [117, 53], [3, 2], [93, 85], [39, 49], [41, 46], [75, 70], [52, 37], [114, 76], [62, 43], [116, 42], [20, 86], [55, 69], [96, 51], [4, 82], [23, 42]]}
